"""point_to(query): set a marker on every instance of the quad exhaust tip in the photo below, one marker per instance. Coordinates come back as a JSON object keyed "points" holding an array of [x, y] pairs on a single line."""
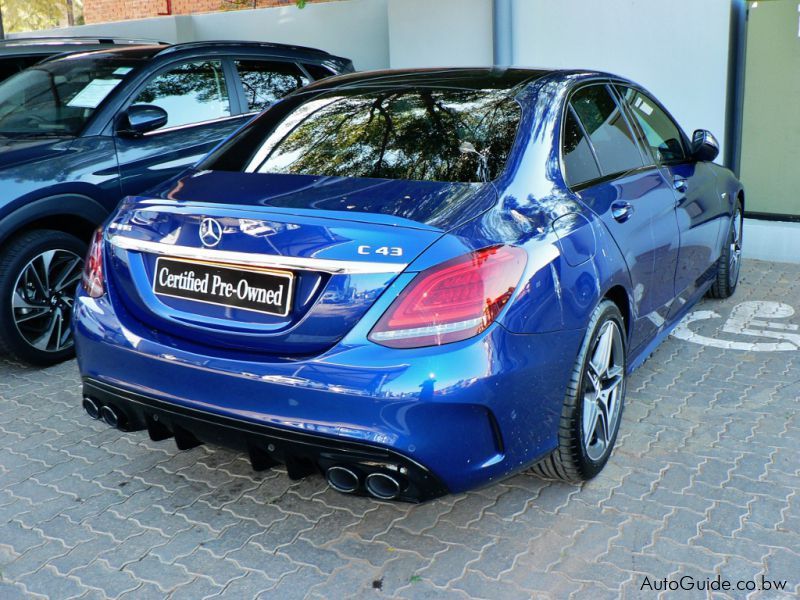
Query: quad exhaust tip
{"points": [[111, 416], [91, 407], [342, 479], [383, 486]]}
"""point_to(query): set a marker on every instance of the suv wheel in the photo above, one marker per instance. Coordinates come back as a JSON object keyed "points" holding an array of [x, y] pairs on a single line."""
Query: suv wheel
{"points": [[39, 271]]}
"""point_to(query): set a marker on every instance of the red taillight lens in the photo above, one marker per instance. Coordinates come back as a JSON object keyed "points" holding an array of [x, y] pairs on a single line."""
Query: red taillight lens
{"points": [[92, 279], [452, 301]]}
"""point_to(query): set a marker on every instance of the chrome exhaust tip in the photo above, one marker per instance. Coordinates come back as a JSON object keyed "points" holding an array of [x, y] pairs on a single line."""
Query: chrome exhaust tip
{"points": [[342, 479], [91, 407], [111, 416], [383, 486]]}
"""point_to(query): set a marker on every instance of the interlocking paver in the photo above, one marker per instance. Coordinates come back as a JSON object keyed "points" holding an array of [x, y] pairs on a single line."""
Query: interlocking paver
{"points": [[705, 480]]}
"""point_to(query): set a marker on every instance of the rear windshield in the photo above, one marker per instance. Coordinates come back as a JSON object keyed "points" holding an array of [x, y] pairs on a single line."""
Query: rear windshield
{"points": [[425, 134]]}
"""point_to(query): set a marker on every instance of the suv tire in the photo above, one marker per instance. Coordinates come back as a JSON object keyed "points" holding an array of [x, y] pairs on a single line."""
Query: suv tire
{"points": [[39, 272]]}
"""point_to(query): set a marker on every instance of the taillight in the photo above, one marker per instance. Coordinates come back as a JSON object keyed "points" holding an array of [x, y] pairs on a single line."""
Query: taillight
{"points": [[92, 279], [452, 301]]}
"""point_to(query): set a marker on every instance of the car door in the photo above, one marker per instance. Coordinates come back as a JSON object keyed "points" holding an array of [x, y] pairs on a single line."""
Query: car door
{"points": [[700, 210], [202, 111], [630, 196]]}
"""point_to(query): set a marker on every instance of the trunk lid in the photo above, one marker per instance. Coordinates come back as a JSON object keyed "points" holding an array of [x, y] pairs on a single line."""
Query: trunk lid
{"points": [[321, 267]]}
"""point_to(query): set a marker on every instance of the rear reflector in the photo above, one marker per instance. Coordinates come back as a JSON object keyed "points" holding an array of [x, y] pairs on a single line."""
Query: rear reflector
{"points": [[452, 301], [92, 279]]}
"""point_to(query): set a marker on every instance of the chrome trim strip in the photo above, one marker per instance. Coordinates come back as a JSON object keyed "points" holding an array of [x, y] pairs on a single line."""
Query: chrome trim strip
{"points": [[195, 124], [347, 267]]}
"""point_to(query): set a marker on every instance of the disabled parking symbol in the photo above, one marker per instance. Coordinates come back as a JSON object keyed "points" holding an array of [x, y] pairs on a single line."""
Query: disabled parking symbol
{"points": [[758, 319]]}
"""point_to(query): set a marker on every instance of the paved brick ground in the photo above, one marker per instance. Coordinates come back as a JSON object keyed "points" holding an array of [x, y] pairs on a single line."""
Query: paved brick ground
{"points": [[705, 481]]}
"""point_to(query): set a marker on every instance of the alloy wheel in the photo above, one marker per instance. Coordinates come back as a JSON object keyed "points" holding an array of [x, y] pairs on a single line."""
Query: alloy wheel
{"points": [[42, 299], [602, 393]]}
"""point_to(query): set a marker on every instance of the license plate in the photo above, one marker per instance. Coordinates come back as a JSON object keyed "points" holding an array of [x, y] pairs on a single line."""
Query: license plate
{"points": [[263, 291]]}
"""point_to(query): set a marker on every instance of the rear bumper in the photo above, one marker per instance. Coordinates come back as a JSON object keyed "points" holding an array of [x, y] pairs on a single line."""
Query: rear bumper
{"points": [[302, 453], [456, 417]]}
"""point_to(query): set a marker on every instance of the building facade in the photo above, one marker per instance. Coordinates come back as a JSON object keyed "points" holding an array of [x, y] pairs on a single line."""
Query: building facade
{"points": [[104, 11]]}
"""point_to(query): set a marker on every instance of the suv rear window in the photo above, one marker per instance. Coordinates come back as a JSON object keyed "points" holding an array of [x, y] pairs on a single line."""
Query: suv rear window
{"points": [[424, 134]]}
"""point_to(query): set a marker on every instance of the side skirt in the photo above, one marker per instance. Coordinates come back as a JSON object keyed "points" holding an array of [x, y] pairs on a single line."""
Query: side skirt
{"points": [[634, 362]]}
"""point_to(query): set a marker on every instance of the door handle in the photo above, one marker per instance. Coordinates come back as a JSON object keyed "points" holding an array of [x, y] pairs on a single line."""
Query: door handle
{"points": [[621, 211], [680, 184]]}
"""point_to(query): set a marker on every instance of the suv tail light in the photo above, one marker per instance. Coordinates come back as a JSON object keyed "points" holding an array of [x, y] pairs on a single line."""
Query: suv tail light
{"points": [[452, 301], [92, 279]]}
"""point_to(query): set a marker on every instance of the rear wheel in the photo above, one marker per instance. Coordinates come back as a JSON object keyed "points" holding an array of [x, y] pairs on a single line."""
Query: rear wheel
{"points": [[730, 261], [592, 408], [39, 272]]}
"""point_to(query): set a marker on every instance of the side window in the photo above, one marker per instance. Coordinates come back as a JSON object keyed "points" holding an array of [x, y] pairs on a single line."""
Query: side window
{"points": [[318, 71], [579, 163], [660, 132], [265, 82], [605, 124], [190, 93]]}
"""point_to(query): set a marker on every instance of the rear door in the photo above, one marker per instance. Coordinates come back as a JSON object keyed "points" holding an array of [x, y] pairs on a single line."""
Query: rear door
{"points": [[197, 95], [610, 171], [700, 210]]}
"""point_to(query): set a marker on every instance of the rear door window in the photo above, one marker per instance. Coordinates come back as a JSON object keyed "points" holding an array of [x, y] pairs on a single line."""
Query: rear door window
{"points": [[265, 82], [661, 133], [607, 128], [580, 165]]}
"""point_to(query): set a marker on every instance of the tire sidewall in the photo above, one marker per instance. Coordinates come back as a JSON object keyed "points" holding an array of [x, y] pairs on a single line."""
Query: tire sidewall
{"points": [[607, 311], [737, 215], [15, 256]]}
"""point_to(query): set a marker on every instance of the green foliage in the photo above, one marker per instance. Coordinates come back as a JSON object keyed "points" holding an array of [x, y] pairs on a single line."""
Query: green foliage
{"points": [[240, 4], [30, 15]]}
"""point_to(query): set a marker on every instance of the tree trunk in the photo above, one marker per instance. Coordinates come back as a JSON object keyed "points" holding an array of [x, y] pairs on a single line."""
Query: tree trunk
{"points": [[70, 14], [2, 31]]}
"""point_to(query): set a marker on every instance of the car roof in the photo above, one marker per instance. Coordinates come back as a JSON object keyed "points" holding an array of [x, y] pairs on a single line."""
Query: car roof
{"points": [[465, 78], [456, 77], [52, 45], [193, 48]]}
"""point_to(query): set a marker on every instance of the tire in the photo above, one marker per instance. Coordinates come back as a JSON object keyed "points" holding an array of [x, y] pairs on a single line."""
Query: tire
{"points": [[39, 272], [583, 447], [730, 260]]}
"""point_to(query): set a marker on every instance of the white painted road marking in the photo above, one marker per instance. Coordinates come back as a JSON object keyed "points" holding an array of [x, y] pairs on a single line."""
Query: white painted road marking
{"points": [[753, 318]]}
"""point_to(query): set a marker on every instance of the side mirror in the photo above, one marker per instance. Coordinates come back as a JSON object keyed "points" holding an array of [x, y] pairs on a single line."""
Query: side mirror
{"points": [[140, 119], [704, 146]]}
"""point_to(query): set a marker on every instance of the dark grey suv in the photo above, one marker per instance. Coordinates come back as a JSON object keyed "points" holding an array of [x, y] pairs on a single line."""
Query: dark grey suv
{"points": [[80, 132]]}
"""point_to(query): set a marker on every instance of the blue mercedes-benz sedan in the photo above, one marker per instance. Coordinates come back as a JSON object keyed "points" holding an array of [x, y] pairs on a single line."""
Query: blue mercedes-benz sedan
{"points": [[412, 282]]}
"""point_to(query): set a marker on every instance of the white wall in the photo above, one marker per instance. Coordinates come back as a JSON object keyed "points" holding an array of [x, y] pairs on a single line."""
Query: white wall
{"points": [[435, 33], [678, 49], [356, 29], [771, 240], [164, 29]]}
